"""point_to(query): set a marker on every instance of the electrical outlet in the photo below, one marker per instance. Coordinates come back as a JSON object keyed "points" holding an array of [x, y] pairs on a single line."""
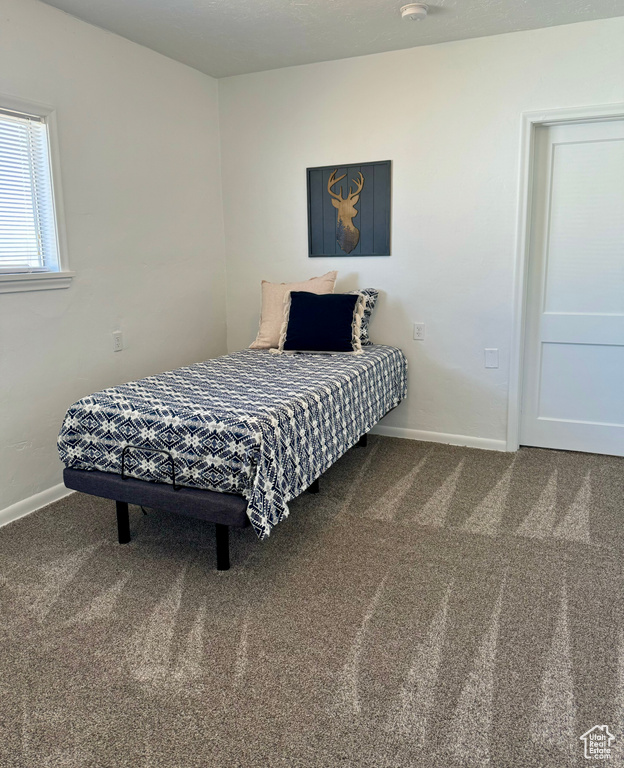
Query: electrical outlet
{"points": [[117, 341], [491, 358], [419, 331]]}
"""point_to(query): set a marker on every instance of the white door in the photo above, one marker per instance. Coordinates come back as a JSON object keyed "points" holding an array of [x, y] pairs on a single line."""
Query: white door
{"points": [[573, 375]]}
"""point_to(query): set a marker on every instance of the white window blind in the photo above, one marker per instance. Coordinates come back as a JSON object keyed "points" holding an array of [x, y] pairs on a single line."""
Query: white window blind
{"points": [[28, 237]]}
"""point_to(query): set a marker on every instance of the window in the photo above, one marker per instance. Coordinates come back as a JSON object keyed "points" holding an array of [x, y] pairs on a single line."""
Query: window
{"points": [[29, 238]]}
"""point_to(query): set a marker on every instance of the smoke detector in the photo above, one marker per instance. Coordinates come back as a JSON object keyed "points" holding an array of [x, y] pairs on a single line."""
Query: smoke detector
{"points": [[414, 11]]}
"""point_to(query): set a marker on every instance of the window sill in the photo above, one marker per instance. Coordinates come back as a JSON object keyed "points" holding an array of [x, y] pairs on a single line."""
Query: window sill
{"points": [[34, 281]]}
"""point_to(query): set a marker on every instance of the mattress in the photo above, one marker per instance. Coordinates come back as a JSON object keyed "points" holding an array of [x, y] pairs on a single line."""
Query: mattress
{"points": [[252, 423]]}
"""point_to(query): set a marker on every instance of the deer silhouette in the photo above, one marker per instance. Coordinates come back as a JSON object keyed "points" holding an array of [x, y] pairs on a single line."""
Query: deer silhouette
{"points": [[347, 234]]}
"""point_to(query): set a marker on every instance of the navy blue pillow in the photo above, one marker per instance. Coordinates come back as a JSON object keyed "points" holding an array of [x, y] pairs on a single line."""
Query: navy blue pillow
{"points": [[321, 323]]}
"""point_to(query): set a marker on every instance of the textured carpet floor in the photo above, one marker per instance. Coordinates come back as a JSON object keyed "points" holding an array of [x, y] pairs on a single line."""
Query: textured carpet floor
{"points": [[432, 606]]}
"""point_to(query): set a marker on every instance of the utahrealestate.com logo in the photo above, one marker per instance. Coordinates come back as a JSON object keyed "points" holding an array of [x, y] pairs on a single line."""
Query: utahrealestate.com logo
{"points": [[598, 742]]}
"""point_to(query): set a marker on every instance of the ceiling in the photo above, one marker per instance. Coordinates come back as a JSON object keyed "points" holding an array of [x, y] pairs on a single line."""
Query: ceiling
{"points": [[226, 37]]}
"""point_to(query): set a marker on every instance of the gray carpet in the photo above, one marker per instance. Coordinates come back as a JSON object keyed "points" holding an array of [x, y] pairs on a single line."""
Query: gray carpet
{"points": [[432, 606]]}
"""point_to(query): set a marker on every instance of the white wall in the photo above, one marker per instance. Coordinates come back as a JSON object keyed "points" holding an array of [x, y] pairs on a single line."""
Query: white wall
{"points": [[448, 116], [139, 148]]}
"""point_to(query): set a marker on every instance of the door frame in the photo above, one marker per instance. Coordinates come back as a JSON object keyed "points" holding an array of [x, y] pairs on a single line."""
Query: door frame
{"points": [[529, 123]]}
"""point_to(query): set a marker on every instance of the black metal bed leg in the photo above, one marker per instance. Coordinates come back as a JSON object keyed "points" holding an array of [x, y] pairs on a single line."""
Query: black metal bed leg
{"points": [[123, 522], [223, 546], [363, 441], [314, 488]]}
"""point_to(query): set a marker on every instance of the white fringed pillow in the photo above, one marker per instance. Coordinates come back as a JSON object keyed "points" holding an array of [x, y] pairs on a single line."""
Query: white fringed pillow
{"points": [[272, 314], [370, 299]]}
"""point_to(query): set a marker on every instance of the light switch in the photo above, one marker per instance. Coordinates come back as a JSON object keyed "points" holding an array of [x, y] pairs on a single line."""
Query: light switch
{"points": [[491, 358]]}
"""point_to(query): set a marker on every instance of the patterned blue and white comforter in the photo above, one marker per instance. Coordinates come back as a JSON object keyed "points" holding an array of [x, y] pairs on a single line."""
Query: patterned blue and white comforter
{"points": [[260, 425]]}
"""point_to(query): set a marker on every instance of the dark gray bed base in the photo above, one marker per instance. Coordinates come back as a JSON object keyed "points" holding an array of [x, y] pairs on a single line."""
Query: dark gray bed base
{"points": [[223, 509]]}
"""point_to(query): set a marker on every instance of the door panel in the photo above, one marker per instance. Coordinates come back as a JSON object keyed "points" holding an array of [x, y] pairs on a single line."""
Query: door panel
{"points": [[586, 229], [587, 372], [573, 382]]}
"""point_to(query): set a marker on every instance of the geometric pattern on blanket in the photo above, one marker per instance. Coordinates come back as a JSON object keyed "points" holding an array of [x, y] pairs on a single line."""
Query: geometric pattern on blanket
{"points": [[260, 425]]}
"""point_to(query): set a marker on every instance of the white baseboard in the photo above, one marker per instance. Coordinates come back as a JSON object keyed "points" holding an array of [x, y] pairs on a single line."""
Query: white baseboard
{"points": [[485, 443], [33, 503]]}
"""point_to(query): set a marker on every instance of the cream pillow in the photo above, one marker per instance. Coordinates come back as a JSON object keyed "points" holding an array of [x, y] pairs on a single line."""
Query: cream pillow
{"points": [[272, 314]]}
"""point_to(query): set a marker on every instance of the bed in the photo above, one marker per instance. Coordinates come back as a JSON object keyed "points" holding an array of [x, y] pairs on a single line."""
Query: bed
{"points": [[231, 440]]}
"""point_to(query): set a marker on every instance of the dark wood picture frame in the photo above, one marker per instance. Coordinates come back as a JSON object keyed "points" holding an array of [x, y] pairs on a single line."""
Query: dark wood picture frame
{"points": [[334, 192]]}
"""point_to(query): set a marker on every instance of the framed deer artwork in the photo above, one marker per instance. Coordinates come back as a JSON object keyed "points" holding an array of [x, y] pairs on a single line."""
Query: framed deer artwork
{"points": [[349, 210]]}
